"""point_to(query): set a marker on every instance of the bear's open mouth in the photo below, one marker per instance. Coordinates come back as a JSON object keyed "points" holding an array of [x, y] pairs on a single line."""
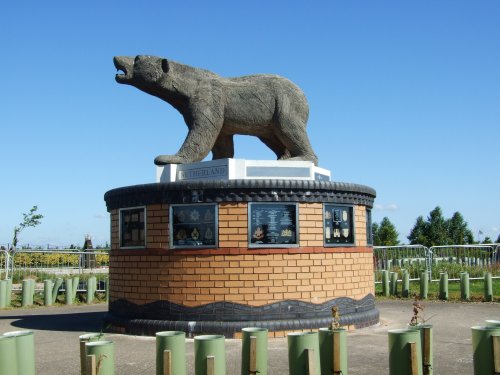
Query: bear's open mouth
{"points": [[124, 64]]}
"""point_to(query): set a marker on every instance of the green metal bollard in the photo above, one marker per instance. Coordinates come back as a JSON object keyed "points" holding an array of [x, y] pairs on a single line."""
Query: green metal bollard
{"points": [[8, 360], [443, 286], [488, 287], [209, 345], [424, 284], [175, 342], [400, 357], [47, 292], [25, 351], [333, 361], [69, 291], [55, 289], [8, 300], [298, 361], [91, 287], [427, 347], [385, 283], [482, 349], [26, 290], [3, 293], [405, 287], [76, 282], [84, 339], [260, 335], [104, 352], [493, 323], [393, 283], [464, 286], [32, 291]]}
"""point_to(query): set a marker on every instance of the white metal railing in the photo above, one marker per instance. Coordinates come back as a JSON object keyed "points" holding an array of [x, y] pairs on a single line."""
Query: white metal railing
{"points": [[472, 258], [411, 257], [476, 259], [43, 264]]}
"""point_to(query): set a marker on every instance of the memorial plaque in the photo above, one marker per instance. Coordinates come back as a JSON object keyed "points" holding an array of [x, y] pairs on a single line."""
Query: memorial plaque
{"points": [[272, 225], [339, 225], [132, 227], [193, 226]]}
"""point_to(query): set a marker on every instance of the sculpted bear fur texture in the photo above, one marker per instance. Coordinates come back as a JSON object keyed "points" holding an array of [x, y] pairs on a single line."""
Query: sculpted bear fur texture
{"points": [[214, 108]]}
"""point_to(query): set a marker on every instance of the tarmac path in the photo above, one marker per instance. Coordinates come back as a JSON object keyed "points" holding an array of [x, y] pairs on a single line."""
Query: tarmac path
{"points": [[57, 330]]}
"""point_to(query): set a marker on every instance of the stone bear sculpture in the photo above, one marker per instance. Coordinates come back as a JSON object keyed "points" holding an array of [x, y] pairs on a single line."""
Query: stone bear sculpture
{"points": [[214, 108]]}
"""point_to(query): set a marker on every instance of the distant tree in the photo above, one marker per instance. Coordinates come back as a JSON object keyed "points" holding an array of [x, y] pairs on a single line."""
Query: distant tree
{"points": [[498, 239], [418, 235], [487, 240], [31, 219], [458, 231], [437, 230], [386, 235], [376, 239]]}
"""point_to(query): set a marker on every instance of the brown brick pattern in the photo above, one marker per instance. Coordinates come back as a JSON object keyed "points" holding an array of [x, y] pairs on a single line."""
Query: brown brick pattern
{"points": [[233, 224], [254, 279], [360, 225], [157, 226], [235, 273]]}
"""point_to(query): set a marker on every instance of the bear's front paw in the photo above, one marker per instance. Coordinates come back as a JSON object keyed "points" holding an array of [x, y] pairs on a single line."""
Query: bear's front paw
{"points": [[169, 159]]}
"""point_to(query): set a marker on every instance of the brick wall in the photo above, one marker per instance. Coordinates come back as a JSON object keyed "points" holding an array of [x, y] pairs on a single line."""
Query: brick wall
{"points": [[233, 225], [254, 279], [235, 273]]}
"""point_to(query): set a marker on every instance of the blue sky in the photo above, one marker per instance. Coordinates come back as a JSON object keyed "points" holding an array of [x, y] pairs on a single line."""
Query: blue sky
{"points": [[404, 97]]}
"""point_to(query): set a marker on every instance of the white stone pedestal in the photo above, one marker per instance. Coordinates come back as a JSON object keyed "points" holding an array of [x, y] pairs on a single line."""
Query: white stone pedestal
{"points": [[234, 169]]}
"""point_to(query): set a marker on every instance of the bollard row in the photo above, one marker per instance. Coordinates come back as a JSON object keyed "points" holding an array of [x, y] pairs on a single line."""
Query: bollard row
{"points": [[390, 285], [309, 353], [50, 291]]}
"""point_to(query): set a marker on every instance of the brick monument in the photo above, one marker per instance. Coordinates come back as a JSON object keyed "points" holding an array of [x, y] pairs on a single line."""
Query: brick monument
{"points": [[215, 256], [216, 246]]}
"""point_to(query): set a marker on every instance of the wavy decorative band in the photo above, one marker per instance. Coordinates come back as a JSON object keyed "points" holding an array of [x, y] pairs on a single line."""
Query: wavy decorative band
{"points": [[228, 317]]}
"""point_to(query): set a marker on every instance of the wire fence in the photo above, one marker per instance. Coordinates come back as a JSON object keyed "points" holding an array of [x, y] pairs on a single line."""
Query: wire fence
{"points": [[49, 264], [4, 263], [452, 259]]}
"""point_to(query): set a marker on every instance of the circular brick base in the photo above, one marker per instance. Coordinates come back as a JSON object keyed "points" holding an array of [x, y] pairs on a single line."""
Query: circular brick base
{"points": [[223, 289]]}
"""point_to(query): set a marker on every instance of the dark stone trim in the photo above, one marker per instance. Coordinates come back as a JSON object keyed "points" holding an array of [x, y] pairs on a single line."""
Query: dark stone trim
{"points": [[240, 191], [227, 317]]}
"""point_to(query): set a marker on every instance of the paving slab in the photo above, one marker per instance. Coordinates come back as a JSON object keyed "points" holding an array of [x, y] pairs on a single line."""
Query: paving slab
{"points": [[57, 330]]}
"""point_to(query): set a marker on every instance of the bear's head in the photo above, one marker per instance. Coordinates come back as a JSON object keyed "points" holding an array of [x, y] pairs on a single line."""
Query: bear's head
{"points": [[140, 71]]}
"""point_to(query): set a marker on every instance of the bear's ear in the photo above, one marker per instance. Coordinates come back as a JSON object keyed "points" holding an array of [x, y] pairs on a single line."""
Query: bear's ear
{"points": [[165, 65]]}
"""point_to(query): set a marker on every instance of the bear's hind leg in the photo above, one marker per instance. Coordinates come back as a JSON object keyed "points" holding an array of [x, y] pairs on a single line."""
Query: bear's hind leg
{"points": [[292, 132], [223, 147]]}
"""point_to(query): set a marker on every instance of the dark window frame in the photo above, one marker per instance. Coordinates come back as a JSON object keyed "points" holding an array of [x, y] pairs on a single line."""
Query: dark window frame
{"points": [[335, 226], [129, 243], [201, 224], [253, 228]]}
